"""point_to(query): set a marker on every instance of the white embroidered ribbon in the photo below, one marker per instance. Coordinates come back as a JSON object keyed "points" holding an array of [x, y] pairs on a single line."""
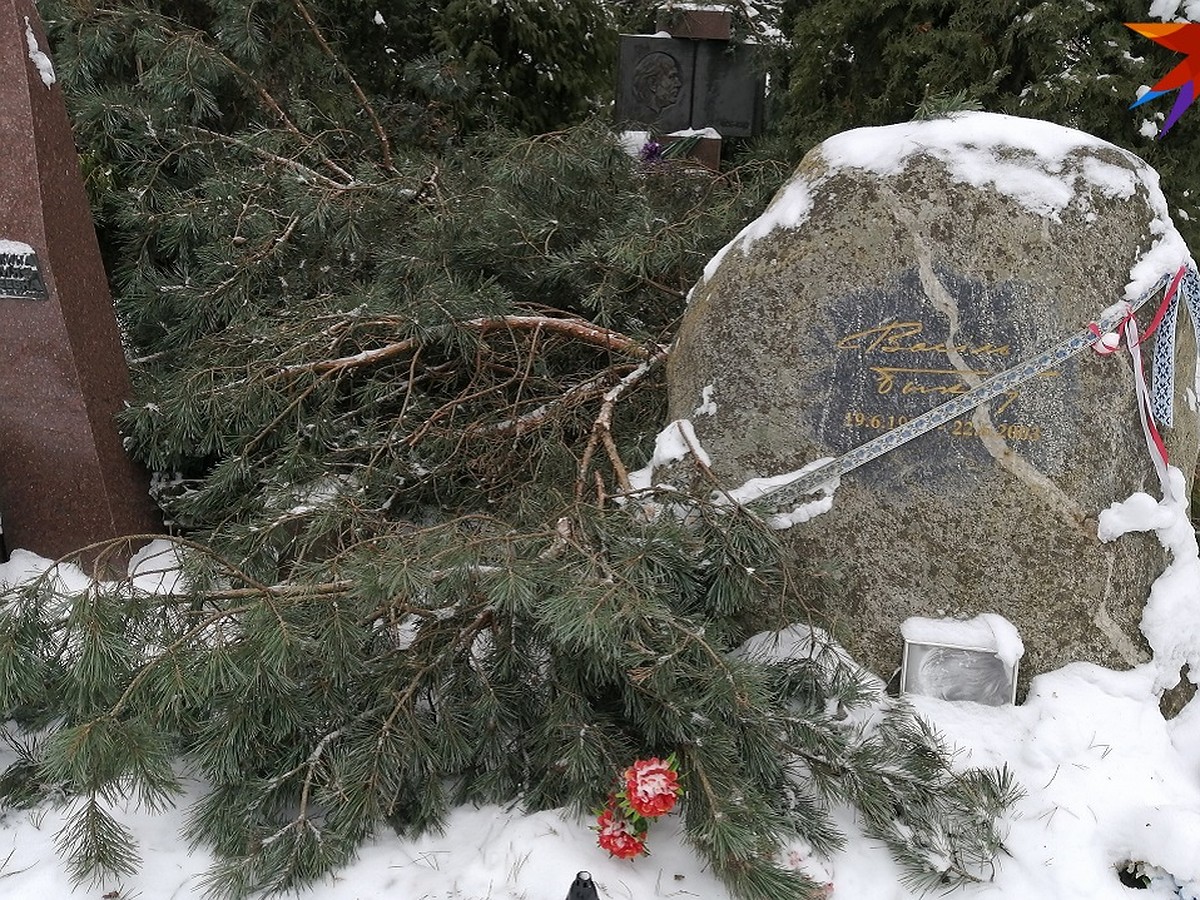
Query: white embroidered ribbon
{"points": [[1162, 399], [1154, 442]]}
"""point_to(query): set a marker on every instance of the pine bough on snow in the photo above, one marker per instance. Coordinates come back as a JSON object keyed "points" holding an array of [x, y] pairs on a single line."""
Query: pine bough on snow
{"points": [[470, 663]]}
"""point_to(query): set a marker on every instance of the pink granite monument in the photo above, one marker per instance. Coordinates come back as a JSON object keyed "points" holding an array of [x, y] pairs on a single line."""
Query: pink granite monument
{"points": [[65, 479]]}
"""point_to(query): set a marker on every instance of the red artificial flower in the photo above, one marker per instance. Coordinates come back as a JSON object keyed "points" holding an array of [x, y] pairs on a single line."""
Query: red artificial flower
{"points": [[617, 835], [651, 787]]}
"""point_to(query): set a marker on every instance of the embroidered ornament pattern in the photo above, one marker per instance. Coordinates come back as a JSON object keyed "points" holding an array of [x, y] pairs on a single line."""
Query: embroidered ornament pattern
{"points": [[1164, 346]]}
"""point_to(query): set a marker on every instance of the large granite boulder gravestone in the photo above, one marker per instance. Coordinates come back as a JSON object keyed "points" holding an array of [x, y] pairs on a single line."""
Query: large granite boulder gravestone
{"points": [[898, 268]]}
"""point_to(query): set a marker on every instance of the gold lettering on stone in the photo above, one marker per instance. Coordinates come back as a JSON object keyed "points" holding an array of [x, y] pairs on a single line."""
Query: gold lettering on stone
{"points": [[904, 337], [897, 337]]}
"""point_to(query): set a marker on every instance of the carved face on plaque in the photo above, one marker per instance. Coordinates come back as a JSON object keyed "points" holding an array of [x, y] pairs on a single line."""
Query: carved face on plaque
{"points": [[657, 81]]}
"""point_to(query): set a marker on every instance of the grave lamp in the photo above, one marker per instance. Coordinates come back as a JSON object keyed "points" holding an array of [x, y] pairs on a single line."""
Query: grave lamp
{"points": [[957, 659]]}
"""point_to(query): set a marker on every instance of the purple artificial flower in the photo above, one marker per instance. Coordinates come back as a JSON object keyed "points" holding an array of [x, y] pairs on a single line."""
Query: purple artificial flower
{"points": [[651, 152]]}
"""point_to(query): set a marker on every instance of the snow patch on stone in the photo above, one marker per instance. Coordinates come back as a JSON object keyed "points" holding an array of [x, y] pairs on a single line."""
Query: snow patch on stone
{"points": [[802, 513], [156, 568], [15, 247], [707, 406], [789, 209], [757, 488], [1171, 619], [671, 444], [678, 440], [39, 59], [1168, 252], [697, 132], [1019, 158], [1023, 159]]}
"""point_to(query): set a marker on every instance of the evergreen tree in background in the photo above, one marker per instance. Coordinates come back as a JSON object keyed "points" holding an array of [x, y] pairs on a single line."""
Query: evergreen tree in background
{"points": [[395, 353], [540, 61], [1072, 62]]}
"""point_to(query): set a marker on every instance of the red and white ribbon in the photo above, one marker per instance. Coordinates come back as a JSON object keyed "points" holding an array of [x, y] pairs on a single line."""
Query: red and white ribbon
{"points": [[1108, 342]]}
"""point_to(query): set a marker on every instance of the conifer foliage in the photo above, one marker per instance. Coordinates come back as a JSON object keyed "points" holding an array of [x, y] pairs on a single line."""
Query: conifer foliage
{"points": [[393, 364], [876, 62]]}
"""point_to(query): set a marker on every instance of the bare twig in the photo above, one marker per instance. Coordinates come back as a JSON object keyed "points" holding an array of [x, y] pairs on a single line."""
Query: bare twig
{"points": [[602, 427], [384, 143], [580, 329], [355, 360], [572, 397], [615, 459], [297, 167]]}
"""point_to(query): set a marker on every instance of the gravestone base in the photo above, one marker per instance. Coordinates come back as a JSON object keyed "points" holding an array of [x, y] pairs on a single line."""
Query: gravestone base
{"points": [[706, 151]]}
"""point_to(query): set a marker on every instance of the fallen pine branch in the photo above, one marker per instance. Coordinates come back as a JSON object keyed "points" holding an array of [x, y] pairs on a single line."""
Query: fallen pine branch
{"points": [[579, 329]]}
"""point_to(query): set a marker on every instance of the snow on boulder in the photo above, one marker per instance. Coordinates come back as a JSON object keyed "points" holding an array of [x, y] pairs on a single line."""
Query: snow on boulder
{"points": [[897, 269]]}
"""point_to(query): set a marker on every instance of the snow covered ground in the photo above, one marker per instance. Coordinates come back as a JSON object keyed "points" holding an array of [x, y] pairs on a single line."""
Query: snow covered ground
{"points": [[1107, 782]]}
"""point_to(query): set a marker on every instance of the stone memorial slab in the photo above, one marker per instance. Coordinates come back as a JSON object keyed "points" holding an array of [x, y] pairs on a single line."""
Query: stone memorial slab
{"points": [[728, 89], [668, 84], [896, 270], [65, 480]]}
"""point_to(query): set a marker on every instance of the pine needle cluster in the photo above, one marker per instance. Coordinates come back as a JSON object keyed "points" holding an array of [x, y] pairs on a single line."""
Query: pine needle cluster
{"points": [[394, 360]]}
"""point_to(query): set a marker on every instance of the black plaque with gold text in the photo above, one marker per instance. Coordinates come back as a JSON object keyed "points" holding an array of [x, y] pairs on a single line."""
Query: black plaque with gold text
{"points": [[895, 356]]}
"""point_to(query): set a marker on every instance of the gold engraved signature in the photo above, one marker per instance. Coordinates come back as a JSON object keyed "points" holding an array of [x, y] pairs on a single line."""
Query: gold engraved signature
{"points": [[898, 337], [944, 382], [905, 337], [951, 380]]}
